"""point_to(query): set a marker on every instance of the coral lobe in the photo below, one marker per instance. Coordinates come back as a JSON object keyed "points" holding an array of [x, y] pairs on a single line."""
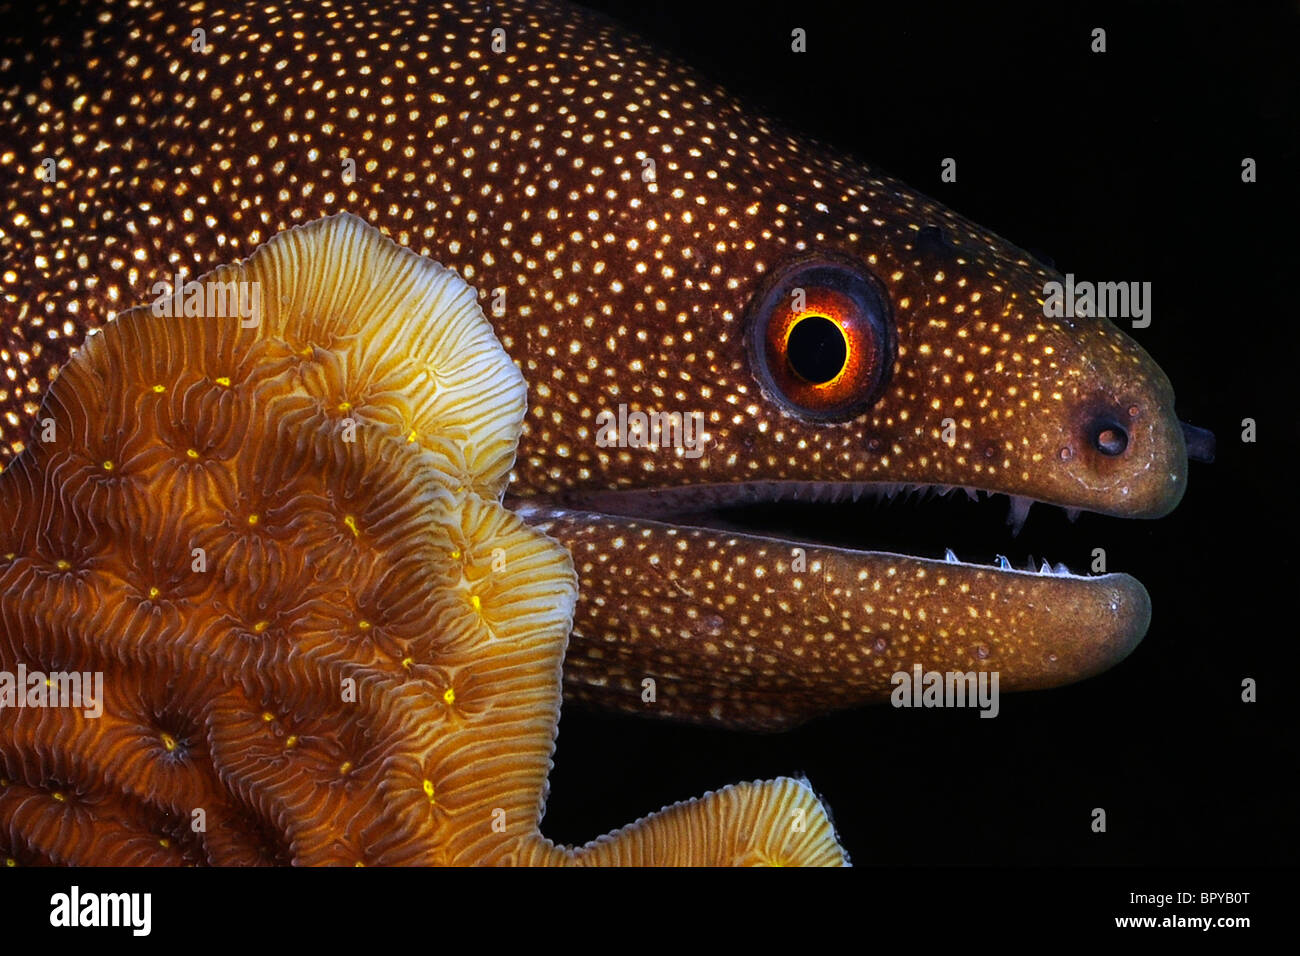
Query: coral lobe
{"points": [[323, 640]]}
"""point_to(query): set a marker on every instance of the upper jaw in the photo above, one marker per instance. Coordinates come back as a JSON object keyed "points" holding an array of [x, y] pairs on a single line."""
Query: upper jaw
{"points": [[715, 506], [665, 503]]}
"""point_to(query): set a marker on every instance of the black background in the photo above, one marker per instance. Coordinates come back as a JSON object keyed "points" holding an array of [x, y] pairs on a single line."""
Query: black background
{"points": [[1124, 165]]}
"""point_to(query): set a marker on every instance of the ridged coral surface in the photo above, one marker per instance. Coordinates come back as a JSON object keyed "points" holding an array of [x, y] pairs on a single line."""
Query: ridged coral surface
{"points": [[323, 640]]}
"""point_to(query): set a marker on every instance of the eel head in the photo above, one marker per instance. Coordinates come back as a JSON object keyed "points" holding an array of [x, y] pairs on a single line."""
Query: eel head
{"points": [[862, 341]]}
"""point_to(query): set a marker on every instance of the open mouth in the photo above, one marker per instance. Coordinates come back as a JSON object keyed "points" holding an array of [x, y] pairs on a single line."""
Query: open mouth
{"points": [[830, 589], [939, 522], [936, 522]]}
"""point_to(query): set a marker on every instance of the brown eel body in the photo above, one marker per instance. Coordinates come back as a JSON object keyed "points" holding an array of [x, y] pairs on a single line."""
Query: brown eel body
{"points": [[640, 240]]}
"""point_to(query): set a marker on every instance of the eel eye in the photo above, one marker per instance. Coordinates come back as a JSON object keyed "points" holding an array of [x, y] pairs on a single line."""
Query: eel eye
{"points": [[821, 339]]}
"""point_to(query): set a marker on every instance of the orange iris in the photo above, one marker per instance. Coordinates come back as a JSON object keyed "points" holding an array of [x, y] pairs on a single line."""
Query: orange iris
{"points": [[802, 366]]}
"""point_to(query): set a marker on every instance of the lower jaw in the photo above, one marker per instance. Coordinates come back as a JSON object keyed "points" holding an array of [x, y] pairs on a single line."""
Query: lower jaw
{"points": [[742, 629]]}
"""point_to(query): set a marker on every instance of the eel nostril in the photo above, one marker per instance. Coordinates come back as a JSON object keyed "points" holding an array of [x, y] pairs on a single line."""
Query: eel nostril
{"points": [[1109, 437]]}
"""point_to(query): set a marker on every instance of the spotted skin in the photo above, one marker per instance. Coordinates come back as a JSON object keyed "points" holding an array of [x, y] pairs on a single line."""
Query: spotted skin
{"points": [[797, 644], [529, 171]]}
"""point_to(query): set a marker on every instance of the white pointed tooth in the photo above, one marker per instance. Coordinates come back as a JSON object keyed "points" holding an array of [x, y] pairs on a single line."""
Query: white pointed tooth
{"points": [[950, 557], [1073, 513], [1062, 569], [972, 494], [1046, 567], [1003, 563], [1018, 512]]}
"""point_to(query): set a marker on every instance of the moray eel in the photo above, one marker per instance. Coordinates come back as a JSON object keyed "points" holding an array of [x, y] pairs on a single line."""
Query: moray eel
{"points": [[642, 240]]}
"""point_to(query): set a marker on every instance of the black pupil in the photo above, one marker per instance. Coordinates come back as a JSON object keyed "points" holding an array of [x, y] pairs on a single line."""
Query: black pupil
{"points": [[816, 350]]}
